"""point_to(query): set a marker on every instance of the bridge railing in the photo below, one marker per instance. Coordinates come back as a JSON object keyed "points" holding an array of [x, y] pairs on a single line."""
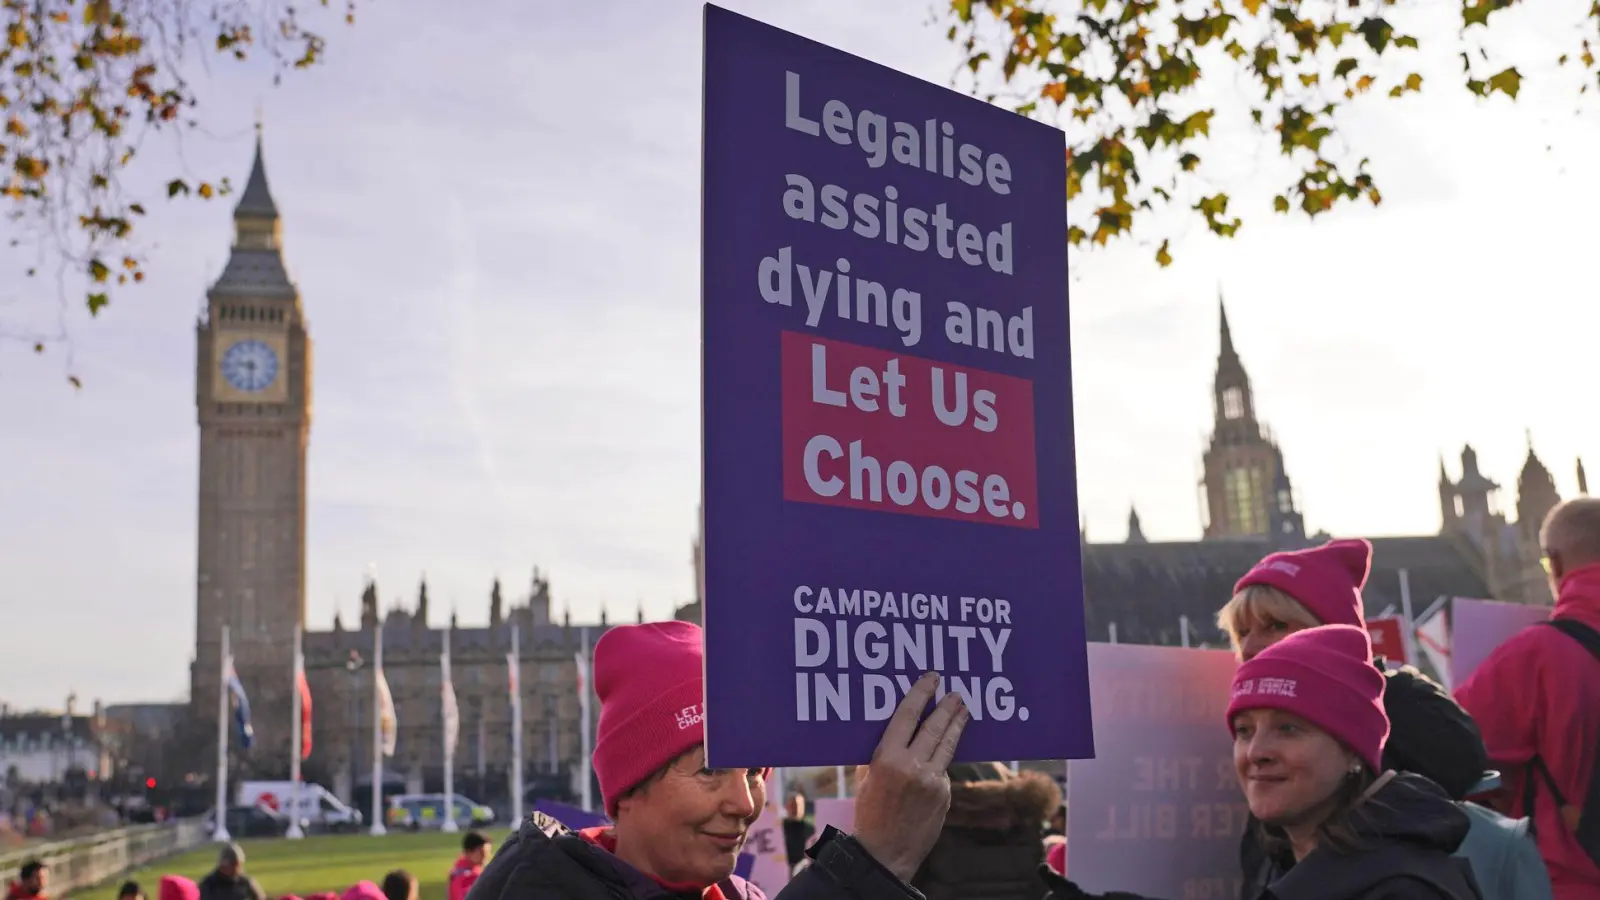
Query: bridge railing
{"points": [[79, 863]]}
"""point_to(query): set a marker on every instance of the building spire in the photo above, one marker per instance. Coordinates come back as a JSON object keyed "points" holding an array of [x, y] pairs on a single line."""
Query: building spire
{"points": [[256, 201], [1227, 352], [1583, 479]]}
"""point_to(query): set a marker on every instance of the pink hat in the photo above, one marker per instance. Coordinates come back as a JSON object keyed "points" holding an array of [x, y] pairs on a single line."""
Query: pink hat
{"points": [[1327, 580], [1324, 675], [650, 681], [363, 890], [177, 887]]}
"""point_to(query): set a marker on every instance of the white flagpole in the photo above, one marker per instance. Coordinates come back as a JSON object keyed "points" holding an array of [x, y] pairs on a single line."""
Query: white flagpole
{"points": [[840, 789], [585, 764], [1112, 631], [220, 834], [377, 732], [1183, 626], [516, 725], [295, 832], [1409, 632], [449, 824]]}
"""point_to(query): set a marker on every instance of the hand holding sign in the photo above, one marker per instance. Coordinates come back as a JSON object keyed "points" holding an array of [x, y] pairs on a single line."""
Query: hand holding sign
{"points": [[905, 792]]}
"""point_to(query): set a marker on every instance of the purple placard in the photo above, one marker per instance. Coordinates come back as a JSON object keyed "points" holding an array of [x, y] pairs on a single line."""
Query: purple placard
{"points": [[1158, 812], [573, 817], [1477, 627], [956, 548]]}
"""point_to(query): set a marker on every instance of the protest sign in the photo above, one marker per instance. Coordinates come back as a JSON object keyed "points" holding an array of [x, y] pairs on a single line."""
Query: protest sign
{"points": [[1388, 638], [765, 859], [889, 471], [1158, 812], [573, 817], [1479, 626], [840, 812]]}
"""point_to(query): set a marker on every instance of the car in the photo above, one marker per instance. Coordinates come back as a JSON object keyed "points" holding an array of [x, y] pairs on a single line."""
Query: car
{"points": [[419, 811], [252, 821]]}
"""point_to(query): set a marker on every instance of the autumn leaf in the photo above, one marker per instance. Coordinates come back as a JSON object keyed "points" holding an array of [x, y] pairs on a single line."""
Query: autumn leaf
{"points": [[177, 186], [1163, 258], [205, 191], [98, 270], [1508, 82], [97, 302]]}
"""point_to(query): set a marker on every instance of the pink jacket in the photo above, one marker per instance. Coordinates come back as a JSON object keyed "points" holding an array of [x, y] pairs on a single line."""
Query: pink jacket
{"points": [[1539, 693]]}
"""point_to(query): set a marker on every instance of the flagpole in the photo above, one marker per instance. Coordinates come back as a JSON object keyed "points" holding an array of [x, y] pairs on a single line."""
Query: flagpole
{"points": [[585, 765], [1409, 632], [449, 824], [516, 724], [840, 789], [377, 732], [295, 832], [220, 834]]}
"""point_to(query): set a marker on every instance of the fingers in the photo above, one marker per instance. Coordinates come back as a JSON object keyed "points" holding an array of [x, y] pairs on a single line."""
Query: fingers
{"points": [[903, 724], [926, 743], [945, 752]]}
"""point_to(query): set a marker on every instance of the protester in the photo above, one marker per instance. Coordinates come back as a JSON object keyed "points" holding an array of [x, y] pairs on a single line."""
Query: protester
{"points": [[31, 880], [1537, 700], [176, 887], [363, 890], [475, 850], [992, 844], [1055, 855], [797, 829], [1308, 723], [1430, 734], [130, 890], [679, 826], [228, 880], [400, 885]]}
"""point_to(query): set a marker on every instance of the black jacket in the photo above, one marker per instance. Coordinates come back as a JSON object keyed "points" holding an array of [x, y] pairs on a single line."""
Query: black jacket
{"points": [[215, 887], [545, 860], [1406, 832]]}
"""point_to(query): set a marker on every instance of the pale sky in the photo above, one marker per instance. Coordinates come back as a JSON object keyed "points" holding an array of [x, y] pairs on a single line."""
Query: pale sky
{"points": [[493, 222]]}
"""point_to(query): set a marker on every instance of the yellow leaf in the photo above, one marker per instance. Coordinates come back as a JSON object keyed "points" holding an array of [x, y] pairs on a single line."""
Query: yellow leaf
{"points": [[1414, 82], [1364, 83], [1252, 6], [206, 191], [16, 35], [1163, 258]]}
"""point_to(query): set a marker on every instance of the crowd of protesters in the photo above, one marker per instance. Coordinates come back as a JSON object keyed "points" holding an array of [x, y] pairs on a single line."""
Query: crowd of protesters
{"points": [[1363, 781]]}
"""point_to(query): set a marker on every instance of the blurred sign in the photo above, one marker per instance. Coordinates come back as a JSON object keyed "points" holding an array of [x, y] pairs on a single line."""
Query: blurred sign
{"points": [[1388, 639]]}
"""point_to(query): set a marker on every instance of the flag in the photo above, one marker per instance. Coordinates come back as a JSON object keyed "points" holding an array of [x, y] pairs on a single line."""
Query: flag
{"points": [[305, 711], [386, 717], [513, 675], [241, 707], [1433, 638], [452, 715]]}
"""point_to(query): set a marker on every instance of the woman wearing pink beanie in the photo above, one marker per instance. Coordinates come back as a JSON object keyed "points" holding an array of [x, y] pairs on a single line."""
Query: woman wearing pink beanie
{"points": [[679, 826], [1296, 589], [1309, 727]]}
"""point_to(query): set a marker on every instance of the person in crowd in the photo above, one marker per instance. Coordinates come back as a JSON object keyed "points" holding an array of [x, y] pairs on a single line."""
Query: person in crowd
{"points": [[130, 890], [400, 885], [177, 887], [679, 825], [475, 851], [992, 844], [31, 880], [1308, 726], [228, 881], [797, 829], [1058, 823], [1537, 700], [362, 890], [1430, 734]]}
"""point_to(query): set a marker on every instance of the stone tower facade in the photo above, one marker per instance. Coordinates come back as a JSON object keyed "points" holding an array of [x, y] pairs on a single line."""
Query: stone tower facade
{"points": [[253, 400], [1247, 490], [1505, 553]]}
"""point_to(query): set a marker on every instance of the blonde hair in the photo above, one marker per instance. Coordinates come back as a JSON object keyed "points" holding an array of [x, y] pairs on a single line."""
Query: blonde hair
{"points": [[1257, 603]]}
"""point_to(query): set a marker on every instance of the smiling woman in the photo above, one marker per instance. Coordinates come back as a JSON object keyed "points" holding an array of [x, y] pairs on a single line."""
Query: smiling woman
{"points": [[1308, 727]]}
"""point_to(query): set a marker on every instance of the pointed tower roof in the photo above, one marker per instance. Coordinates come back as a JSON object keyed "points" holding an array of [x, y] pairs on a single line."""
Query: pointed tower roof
{"points": [[1226, 352], [1135, 531], [257, 197], [1583, 479]]}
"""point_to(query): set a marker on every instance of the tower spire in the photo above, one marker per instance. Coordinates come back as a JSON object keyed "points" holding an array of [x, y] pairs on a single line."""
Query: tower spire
{"points": [[1227, 352], [1583, 479], [256, 201]]}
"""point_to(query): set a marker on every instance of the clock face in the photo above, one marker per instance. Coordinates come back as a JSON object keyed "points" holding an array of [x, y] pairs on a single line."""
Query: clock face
{"points": [[250, 366]]}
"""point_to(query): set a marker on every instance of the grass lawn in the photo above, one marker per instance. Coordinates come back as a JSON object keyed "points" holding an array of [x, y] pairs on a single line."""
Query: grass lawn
{"points": [[316, 864]]}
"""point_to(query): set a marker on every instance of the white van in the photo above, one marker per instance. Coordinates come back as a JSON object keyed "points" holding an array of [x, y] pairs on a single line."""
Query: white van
{"points": [[317, 807]]}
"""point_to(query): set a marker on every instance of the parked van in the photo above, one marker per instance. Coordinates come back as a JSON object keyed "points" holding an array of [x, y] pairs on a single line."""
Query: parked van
{"points": [[317, 807]]}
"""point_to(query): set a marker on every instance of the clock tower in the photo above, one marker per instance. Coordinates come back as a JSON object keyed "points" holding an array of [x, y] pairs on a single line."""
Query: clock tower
{"points": [[253, 399]]}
